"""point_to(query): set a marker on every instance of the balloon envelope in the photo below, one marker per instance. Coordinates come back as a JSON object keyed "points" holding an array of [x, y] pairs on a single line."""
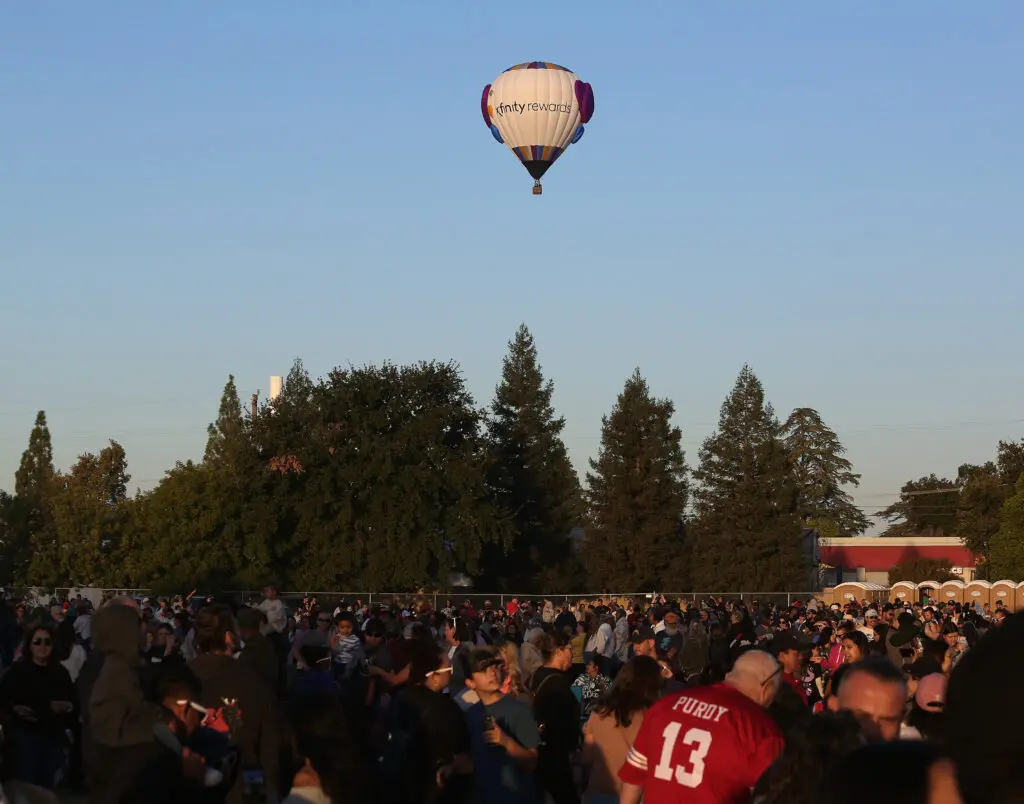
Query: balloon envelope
{"points": [[537, 109]]}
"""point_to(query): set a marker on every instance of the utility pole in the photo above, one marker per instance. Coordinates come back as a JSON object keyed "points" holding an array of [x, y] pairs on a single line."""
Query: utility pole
{"points": [[255, 405]]}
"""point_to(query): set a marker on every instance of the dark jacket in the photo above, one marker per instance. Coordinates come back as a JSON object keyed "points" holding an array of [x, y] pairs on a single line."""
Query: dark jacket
{"points": [[243, 707], [259, 656], [120, 753], [119, 714]]}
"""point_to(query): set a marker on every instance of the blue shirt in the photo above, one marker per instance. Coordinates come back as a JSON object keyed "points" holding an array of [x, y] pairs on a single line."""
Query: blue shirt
{"points": [[497, 777]]}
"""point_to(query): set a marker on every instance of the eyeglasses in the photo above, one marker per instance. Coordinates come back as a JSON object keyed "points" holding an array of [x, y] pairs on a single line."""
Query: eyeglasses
{"points": [[439, 671], [778, 671], [43, 641], [324, 620]]}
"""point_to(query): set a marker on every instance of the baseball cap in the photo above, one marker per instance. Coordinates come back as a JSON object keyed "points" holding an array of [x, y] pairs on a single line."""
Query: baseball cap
{"points": [[870, 613], [480, 659], [641, 634], [931, 693]]}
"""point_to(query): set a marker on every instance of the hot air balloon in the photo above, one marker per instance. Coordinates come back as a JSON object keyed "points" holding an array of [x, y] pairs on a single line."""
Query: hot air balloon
{"points": [[537, 109]]}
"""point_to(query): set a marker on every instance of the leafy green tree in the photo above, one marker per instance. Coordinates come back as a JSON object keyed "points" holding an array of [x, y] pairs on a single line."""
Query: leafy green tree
{"points": [[749, 530], [1007, 545], [822, 474], [984, 490], [531, 476], [393, 492], [31, 511], [175, 542], [926, 507], [637, 491], [90, 510]]}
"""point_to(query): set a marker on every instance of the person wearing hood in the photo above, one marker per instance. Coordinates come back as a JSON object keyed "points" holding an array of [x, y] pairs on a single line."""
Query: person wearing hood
{"points": [[241, 706], [118, 721]]}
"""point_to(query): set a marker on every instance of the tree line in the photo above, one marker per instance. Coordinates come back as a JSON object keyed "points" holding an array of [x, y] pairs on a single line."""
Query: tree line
{"points": [[390, 477]]}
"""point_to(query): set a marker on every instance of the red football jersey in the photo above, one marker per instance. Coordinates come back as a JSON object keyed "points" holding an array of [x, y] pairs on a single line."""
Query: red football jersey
{"points": [[704, 745]]}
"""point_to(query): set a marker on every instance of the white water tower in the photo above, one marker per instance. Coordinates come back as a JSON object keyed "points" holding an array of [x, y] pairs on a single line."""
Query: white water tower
{"points": [[276, 384]]}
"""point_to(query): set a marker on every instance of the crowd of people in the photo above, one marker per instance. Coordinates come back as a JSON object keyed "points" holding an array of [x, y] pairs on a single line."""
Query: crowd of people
{"points": [[611, 700]]}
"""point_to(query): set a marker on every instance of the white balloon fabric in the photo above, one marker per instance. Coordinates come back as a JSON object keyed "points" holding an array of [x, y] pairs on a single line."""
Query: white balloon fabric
{"points": [[538, 110]]}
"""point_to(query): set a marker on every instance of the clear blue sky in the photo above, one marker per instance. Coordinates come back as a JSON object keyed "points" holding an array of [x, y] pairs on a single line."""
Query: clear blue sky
{"points": [[833, 192]]}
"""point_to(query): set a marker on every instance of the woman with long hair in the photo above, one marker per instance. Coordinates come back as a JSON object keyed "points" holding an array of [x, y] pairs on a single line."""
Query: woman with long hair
{"points": [[512, 681], [37, 695], [558, 716], [855, 647], [614, 723]]}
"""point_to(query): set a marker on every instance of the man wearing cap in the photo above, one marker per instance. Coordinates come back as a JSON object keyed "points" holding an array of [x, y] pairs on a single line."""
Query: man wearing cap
{"points": [[790, 653]]}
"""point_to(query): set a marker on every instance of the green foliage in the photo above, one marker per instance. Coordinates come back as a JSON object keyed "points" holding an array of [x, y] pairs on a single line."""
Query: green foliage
{"points": [[921, 569], [531, 477], [822, 474], [31, 511], [926, 507], [748, 533], [90, 510], [390, 476], [637, 491], [1007, 544]]}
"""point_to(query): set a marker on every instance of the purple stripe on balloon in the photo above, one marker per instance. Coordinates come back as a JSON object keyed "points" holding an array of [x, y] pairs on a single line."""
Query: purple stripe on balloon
{"points": [[483, 105], [585, 98]]}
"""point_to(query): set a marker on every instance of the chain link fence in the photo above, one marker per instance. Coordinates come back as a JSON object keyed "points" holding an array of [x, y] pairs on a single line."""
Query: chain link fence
{"points": [[439, 600]]}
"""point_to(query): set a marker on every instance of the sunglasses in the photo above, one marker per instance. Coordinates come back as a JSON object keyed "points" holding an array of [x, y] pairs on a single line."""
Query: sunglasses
{"points": [[38, 642], [323, 619], [193, 705]]}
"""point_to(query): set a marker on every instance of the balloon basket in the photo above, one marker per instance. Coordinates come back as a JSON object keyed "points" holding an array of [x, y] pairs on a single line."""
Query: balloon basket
{"points": [[537, 189]]}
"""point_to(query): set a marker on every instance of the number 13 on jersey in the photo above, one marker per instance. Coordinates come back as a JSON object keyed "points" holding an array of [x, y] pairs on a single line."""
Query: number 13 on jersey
{"points": [[690, 774]]}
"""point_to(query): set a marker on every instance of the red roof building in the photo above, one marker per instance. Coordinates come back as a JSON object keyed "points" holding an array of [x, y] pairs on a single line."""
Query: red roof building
{"points": [[869, 558]]}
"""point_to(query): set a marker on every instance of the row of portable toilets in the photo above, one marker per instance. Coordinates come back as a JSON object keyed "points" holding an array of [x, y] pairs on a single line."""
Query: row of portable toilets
{"points": [[1010, 593]]}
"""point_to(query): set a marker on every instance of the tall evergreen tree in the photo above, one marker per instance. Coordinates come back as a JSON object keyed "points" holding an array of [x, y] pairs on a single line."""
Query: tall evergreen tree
{"points": [[822, 474], [225, 435], [637, 492], [531, 476], [749, 533], [31, 509], [7, 542]]}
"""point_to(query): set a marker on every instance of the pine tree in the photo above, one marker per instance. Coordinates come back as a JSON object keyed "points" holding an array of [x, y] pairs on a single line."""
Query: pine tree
{"points": [[637, 492], [530, 474], [225, 435], [31, 510], [35, 472], [822, 474], [749, 534]]}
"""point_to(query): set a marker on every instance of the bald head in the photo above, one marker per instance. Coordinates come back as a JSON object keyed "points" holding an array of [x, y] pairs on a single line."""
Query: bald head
{"points": [[757, 675]]}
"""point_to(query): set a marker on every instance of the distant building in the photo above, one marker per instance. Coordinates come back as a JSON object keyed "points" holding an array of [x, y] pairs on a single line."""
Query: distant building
{"points": [[868, 559]]}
